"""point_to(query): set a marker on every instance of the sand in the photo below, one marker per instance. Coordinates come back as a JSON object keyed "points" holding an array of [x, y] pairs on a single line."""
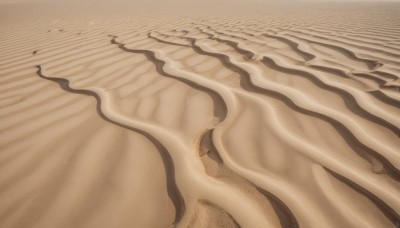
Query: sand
{"points": [[199, 114]]}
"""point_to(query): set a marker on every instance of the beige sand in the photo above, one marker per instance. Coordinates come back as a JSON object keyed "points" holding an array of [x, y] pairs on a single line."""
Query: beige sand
{"points": [[199, 114]]}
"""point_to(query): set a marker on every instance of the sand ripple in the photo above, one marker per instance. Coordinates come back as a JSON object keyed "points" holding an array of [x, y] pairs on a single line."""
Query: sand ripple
{"points": [[112, 117]]}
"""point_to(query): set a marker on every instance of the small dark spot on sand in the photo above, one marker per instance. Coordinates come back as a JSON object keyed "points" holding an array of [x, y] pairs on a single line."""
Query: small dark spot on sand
{"points": [[34, 52]]}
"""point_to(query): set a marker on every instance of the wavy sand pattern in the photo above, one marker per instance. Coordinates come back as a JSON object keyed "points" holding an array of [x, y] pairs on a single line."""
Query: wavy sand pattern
{"points": [[180, 114]]}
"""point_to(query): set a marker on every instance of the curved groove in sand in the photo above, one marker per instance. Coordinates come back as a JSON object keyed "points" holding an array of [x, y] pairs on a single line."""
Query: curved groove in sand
{"points": [[282, 209], [217, 139], [358, 108], [345, 43], [348, 98], [310, 57], [287, 219], [391, 214], [186, 167], [220, 109], [173, 191], [216, 117], [362, 149], [372, 64], [385, 98]]}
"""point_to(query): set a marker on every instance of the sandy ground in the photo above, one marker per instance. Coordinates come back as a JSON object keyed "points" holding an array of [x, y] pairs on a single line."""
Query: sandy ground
{"points": [[189, 114]]}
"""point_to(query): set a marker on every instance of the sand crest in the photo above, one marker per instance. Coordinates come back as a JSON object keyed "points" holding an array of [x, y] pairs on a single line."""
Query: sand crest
{"points": [[199, 114]]}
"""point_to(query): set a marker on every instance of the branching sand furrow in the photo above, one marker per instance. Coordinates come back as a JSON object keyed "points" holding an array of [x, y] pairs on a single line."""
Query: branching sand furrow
{"points": [[217, 88], [357, 145], [194, 177], [220, 110], [273, 184], [310, 57], [371, 63], [226, 62], [173, 191], [361, 41], [331, 70], [346, 96], [281, 211], [243, 114], [347, 134], [286, 217], [304, 71], [218, 140]]}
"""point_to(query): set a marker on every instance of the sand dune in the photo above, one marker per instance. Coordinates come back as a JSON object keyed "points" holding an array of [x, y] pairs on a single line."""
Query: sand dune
{"points": [[189, 114]]}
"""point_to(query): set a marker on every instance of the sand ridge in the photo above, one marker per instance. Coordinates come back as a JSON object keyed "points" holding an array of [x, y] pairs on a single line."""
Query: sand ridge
{"points": [[133, 114]]}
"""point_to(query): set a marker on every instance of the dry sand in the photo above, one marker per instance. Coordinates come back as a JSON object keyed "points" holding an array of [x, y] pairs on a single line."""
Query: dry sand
{"points": [[188, 114]]}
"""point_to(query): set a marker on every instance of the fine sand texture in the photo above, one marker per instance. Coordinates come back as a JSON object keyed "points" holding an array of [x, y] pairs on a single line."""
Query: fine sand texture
{"points": [[255, 114]]}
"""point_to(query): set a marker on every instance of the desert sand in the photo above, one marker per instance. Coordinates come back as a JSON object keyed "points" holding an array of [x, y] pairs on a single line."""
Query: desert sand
{"points": [[117, 114]]}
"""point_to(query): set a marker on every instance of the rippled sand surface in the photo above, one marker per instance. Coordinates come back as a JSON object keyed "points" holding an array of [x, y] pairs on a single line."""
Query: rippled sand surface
{"points": [[190, 114]]}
